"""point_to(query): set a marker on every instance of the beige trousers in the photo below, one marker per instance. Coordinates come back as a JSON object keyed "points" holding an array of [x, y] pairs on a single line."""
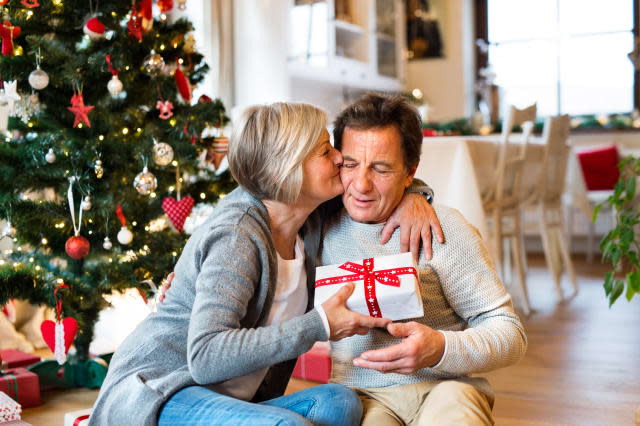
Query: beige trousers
{"points": [[448, 402]]}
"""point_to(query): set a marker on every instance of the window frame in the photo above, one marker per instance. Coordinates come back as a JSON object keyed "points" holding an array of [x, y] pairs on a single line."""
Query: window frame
{"points": [[481, 13]]}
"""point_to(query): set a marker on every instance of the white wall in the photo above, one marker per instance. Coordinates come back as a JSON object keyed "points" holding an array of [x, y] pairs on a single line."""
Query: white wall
{"points": [[448, 83]]}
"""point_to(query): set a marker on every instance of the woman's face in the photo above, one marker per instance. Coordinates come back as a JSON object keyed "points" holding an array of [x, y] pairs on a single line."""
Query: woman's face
{"points": [[321, 172]]}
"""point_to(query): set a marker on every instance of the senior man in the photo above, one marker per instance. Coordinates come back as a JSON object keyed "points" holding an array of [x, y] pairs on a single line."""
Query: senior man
{"points": [[416, 372]]}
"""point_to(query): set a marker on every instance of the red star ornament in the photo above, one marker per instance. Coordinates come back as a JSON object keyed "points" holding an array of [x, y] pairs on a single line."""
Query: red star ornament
{"points": [[134, 25], [80, 110]]}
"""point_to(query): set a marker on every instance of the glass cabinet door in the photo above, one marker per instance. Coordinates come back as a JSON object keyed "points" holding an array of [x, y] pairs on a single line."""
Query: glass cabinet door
{"points": [[386, 37]]}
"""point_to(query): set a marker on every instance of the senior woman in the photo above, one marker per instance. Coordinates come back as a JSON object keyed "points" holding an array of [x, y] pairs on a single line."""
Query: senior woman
{"points": [[222, 345]]}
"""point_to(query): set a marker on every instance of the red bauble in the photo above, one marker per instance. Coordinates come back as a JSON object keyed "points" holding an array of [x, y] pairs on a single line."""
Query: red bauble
{"points": [[77, 247]]}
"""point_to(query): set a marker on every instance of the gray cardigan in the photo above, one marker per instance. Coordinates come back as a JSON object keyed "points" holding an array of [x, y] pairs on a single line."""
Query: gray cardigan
{"points": [[208, 328]]}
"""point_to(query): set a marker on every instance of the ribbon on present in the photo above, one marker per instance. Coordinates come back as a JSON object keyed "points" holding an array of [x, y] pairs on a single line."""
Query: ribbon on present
{"points": [[11, 378], [366, 272], [80, 419]]}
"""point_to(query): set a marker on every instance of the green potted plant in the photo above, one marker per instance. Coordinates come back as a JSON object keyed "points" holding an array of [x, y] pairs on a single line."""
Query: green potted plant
{"points": [[621, 247]]}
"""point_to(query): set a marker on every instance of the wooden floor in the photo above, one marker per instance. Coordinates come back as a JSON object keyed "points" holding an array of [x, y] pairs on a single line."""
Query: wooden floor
{"points": [[582, 366]]}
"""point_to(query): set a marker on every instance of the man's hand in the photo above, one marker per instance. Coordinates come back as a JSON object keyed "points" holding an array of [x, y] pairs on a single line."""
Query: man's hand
{"points": [[344, 322], [421, 347], [415, 217]]}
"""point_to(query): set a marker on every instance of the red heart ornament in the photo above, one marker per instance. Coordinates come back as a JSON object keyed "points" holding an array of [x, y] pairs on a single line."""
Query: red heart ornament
{"points": [[48, 329], [178, 211]]}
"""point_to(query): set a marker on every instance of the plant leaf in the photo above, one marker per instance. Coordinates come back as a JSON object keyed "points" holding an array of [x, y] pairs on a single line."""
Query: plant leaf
{"points": [[596, 209], [608, 282], [631, 188], [618, 288]]}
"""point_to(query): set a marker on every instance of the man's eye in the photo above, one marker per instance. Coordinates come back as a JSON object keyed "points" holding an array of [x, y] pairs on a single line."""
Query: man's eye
{"points": [[349, 165], [382, 171]]}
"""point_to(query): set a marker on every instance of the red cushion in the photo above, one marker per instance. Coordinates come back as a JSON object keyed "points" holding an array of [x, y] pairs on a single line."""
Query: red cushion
{"points": [[600, 167]]}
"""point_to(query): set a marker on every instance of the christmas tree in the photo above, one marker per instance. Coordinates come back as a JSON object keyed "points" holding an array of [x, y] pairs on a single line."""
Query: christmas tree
{"points": [[103, 155]]}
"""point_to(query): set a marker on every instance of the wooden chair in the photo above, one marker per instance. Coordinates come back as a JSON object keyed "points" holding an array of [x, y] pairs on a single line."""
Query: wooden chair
{"points": [[502, 204], [547, 198]]}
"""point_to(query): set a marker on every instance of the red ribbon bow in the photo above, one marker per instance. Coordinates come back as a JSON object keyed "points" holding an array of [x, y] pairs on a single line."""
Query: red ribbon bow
{"points": [[365, 272]]}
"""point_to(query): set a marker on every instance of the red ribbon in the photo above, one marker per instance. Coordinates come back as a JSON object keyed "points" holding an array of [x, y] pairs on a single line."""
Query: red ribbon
{"points": [[79, 419], [114, 71], [59, 300], [365, 272], [121, 215]]}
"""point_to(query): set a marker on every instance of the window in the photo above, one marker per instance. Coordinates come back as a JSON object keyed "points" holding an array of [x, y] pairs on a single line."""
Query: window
{"points": [[569, 56]]}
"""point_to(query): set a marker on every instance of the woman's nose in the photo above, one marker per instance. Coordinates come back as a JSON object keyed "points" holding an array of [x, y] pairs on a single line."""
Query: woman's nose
{"points": [[337, 157]]}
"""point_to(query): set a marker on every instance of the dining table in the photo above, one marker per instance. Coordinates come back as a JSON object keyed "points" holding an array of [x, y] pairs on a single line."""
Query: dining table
{"points": [[462, 169]]}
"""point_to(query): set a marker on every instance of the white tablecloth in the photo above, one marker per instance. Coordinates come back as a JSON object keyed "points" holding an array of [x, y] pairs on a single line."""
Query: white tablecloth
{"points": [[460, 169]]}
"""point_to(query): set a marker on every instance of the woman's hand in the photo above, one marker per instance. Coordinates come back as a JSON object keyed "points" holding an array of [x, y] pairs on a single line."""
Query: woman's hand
{"points": [[165, 286], [344, 322], [416, 218]]}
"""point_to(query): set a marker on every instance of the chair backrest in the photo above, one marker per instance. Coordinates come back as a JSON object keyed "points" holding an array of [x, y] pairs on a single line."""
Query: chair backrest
{"points": [[556, 156], [510, 166]]}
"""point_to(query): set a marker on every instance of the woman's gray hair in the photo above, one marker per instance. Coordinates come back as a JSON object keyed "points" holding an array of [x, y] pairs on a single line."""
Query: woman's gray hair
{"points": [[268, 146]]}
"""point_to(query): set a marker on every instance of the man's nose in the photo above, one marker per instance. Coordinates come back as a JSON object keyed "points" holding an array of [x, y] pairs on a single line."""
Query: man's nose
{"points": [[362, 181]]}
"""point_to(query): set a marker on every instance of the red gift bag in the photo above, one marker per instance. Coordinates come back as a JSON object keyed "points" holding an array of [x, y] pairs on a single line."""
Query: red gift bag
{"points": [[314, 365]]}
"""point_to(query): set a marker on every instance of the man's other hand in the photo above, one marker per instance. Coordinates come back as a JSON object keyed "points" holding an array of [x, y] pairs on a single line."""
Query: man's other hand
{"points": [[421, 347]]}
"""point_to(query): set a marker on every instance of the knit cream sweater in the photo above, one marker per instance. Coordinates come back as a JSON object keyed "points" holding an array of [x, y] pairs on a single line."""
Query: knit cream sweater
{"points": [[462, 295]]}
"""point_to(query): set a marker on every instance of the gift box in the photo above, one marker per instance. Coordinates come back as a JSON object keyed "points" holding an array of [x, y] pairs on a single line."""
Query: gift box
{"points": [[9, 409], [15, 358], [385, 286], [22, 385], [314, 365], [16, 423], [77, 418]]}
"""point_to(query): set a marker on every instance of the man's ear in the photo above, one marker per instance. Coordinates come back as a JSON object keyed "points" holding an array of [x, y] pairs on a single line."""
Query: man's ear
{"points": [[410, 175]]}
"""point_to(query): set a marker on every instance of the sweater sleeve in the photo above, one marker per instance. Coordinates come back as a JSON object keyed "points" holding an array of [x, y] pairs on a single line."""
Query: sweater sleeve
{"points": [[495, 337], [230, 262]]}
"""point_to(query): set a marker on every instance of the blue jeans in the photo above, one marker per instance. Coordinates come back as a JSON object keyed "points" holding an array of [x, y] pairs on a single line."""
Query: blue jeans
{"points": [[319, 405]]}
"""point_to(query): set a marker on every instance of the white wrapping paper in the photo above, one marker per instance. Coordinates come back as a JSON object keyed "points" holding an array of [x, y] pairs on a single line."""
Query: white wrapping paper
{"points": [[70, 418], [394, 302]]}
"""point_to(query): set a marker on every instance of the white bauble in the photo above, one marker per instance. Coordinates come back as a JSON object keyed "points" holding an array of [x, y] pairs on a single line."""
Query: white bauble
{"points": [[50, 157], [125, 236], [114, 86], [38, 79], [162, 153], [107, 243]]}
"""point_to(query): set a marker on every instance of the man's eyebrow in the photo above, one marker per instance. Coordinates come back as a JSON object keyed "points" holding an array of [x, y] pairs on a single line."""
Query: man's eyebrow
{"points": [[348, 158]]}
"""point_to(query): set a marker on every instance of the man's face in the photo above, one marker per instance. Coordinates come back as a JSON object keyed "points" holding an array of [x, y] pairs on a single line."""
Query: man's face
{"points": [[373, 173]]}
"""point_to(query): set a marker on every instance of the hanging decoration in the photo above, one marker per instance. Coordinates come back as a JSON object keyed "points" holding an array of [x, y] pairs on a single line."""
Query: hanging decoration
{"points": [[97, 168], [189, 45], [165, 109], [182, 4], [178, 210], [50, 156], [134, 25], [153, 63], [27, 107], [11, 94], [218, 150], [145, 182], [94, 29], [77, 246], [124, 235], [86, 203], [183, 84], [146, 13], [106, 244], [8, 32], [115, 85], [38, 79], [162, 153], [165, 5], [8, 231], [59, 335], [80, 110], [30, 3]]}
